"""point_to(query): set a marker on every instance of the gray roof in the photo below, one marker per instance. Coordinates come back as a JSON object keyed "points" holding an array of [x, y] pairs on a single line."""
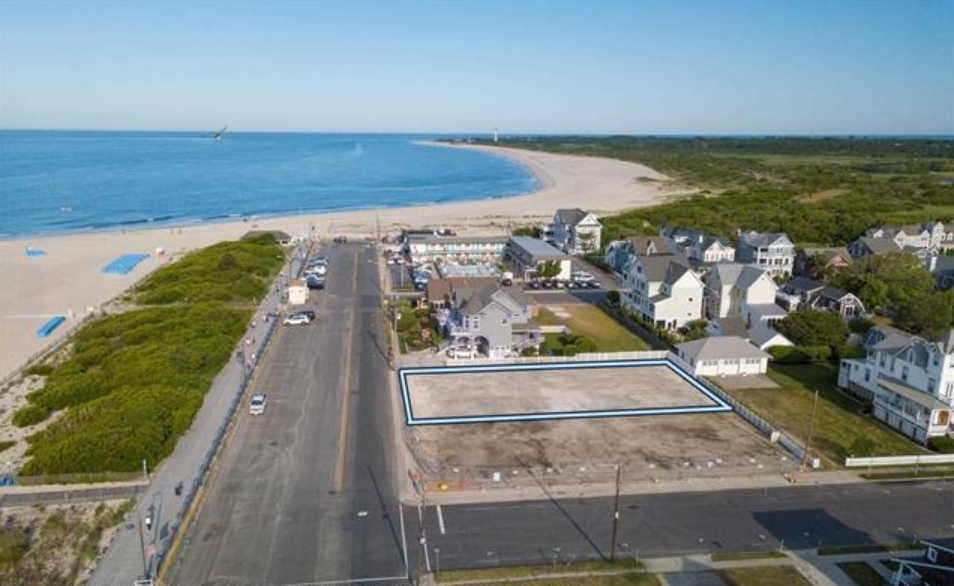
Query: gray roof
{"points": [[640, 244], [761, 334], [880, 245], [760, 239], [916, 395], [803, 285], [732, 326], [536, 248], [663, 267], [724, 347], [740, 275], [768, 310], [572, 217], [475, 300]]}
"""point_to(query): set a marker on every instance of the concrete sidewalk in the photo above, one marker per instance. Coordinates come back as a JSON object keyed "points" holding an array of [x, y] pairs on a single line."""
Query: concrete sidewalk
{"points": [[536, 492], [134, 551], [692, 569]]}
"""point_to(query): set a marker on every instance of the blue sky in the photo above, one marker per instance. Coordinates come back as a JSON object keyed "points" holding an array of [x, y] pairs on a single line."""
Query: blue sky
{"points": [[525, 66]]}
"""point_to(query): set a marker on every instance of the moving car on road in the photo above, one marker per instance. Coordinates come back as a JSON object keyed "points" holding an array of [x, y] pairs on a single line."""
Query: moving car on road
{"points": [[257, 405], [296, 320]]}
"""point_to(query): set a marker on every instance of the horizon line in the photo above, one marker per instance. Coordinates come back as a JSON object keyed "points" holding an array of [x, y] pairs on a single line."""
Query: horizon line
{"points": [[479, 134]]}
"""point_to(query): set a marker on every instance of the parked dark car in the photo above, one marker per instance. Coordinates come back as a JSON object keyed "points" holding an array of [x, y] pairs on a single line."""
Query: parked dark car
{"points": [[341, 239], [315, 282]]}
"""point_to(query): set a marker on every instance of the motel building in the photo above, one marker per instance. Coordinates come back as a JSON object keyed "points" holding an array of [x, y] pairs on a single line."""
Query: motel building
{"points": [[429, 248], [909, 380]]}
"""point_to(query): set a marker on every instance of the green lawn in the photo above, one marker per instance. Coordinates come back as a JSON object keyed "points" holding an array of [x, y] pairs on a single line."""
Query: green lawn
{"points": [[593, 323], [734, 556], [612, 580], [510, 572], [839, 423], [763, 576], [862, 574]]}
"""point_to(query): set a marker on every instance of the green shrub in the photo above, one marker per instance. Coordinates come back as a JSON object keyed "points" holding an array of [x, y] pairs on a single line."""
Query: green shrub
{"points": [[227, 272], [943, 444], [38, 370], [799, 354], [7, 444], [845, 351], [30, 414], [530, 351], [860, 325]]}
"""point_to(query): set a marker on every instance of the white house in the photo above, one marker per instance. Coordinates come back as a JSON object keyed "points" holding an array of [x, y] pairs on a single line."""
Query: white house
{"points": [[770, 251], [909, 380], [723, 356], [737, 290], [620, 252], [576, 231], [663, 290], [697, 245]]}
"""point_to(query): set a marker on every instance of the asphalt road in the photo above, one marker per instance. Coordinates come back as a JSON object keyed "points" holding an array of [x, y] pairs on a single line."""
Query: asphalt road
{"points": [[804, 517], [296, 497]]}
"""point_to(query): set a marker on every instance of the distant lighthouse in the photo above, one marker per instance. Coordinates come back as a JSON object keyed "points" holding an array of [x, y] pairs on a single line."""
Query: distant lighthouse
{"points": [[495, 134]]}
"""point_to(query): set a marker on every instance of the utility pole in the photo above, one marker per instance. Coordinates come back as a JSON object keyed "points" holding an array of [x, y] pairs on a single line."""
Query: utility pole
{"points": [[420, 516], [615, 518], [811, 430]]}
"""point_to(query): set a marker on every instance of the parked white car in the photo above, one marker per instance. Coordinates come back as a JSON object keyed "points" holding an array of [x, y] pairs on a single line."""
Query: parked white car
{"points": [[462, 352]]}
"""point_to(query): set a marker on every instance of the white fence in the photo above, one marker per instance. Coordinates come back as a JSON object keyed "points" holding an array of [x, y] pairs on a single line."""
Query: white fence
{"points": [[918, 460]]}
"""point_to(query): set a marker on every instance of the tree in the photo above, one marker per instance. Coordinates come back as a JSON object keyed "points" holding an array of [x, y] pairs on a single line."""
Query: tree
{"points": [[587, 242], [532, 231], [926, 315], [814, 328], [886, 280], [695, 330], [548, 269]]}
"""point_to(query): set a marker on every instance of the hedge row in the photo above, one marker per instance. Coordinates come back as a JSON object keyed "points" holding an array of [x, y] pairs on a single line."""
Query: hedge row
{"points": [[134, 381]]}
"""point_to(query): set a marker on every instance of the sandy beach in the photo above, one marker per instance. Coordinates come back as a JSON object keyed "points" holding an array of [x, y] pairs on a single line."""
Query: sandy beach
{"points": [[68, 279]]}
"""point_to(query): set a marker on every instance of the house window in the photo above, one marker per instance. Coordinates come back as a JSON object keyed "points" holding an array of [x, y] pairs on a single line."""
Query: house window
{"points": [[475, 322], [949, 389], [931, 385], [904, 373], [882, 361], [504, 321], [867, 374]]}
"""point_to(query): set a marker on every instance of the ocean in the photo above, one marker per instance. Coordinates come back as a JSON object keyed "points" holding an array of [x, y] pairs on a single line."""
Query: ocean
{"points": [[55, 182]]}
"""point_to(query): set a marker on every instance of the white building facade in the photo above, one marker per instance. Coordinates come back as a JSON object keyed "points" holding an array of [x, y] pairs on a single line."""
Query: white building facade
{"points": [[909, 380], [772, 252], [663, 290], [576, 231]]}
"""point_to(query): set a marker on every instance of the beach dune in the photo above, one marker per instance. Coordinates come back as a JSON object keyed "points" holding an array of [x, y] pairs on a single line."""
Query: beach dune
{"points": [[68, 280]]}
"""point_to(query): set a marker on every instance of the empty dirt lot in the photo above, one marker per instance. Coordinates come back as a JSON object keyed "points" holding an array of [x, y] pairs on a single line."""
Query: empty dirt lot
{"points": [[648, 446]]}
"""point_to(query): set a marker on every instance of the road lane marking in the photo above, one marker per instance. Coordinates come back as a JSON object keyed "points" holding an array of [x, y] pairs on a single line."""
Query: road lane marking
{"points": [[440, 519], [338, 482]]}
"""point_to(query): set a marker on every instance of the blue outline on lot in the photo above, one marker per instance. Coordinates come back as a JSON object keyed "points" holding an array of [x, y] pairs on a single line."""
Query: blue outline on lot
{"points": [[718, 406]]}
